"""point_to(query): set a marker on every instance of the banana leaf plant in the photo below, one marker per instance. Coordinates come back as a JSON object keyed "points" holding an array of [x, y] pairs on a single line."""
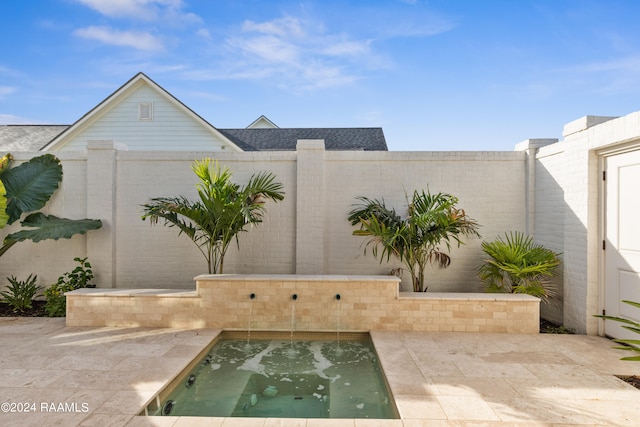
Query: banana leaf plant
{"points": [[27, 188]]}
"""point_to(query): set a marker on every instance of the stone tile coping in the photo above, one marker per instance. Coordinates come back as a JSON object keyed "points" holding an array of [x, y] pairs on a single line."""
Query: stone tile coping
{"points": [[177, 293], [465, 296], [296, 278], [102, 292]]}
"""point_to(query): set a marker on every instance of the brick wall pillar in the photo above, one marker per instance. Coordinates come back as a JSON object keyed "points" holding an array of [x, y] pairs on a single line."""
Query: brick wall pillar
{"points": [[310, 201], [101, 191], [530, 147]]}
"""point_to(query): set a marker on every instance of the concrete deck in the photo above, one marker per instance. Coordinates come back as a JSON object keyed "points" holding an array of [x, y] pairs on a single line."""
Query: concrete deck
{"points": [[105, 375]]}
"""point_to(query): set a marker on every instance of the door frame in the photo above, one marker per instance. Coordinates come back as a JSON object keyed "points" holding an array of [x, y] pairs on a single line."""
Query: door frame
{"points": [[603, 154]]}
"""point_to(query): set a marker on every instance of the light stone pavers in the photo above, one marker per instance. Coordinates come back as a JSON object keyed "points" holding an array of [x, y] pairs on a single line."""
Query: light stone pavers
{"points": [[53, 375]]}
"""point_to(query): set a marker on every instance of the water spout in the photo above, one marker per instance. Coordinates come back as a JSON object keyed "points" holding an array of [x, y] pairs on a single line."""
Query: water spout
{"points": [[338, 350], [252, 297], [291, 352]]}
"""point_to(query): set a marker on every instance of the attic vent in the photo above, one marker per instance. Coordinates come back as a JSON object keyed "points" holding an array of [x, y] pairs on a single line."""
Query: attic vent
{"points": [[145, 111]]}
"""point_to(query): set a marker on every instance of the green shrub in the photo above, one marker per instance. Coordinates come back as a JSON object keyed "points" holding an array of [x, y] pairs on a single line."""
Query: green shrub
{"points": [[79, 277], [20, 294], [56, 305], [518, 265]]}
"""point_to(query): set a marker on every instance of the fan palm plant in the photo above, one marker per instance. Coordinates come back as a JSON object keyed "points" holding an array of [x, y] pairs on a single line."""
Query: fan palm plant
{"points": [[431, 220], [223, 210], [519, 265], [27, 188]]}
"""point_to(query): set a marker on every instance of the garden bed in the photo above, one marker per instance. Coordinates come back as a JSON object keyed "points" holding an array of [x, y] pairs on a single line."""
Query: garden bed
{"points": [[36, 311]]}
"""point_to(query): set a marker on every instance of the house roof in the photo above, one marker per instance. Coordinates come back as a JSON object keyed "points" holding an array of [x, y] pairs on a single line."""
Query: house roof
{"points": [[262, 122], [121, 93], [28, 137], [368, 139], [35, 137], [255, 138]]}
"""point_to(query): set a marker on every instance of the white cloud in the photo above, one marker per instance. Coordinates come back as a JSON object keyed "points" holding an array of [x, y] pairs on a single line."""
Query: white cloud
{"points": [[6, 90], [268, 48], [347, 48], [135, 39], [204, 33], [10, 119], [167, 11], [303, 53], [298, 53], [285, 27]]}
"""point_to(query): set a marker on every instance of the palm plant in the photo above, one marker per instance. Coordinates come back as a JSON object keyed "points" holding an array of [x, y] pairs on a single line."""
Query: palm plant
{"points": [[27, 188], [223, 210], [519, 265], [432, 219], [633, 326]]}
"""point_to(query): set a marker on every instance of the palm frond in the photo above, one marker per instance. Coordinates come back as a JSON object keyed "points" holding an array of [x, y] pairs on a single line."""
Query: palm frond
{"points": [[223, 210], [432, 219], [518, 265]]}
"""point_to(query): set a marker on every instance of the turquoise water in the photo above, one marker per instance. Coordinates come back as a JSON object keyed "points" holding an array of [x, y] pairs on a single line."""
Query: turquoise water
{"points": [[283, 379]]}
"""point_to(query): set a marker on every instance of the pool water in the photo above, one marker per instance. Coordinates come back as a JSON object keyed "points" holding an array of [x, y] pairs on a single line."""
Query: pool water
{"points": [[282, 378]]}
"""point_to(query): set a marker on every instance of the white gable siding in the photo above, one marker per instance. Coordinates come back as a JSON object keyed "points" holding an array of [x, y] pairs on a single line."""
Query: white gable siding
{"points": [[170, 129]]}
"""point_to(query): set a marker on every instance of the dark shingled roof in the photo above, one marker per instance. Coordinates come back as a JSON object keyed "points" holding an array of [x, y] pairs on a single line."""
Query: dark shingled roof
{"points": [[34, 137], [27, 137], [369, 139]]}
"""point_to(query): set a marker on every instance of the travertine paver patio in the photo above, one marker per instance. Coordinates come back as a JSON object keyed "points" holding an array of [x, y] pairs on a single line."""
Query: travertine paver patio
{"points": [[105, 375]]}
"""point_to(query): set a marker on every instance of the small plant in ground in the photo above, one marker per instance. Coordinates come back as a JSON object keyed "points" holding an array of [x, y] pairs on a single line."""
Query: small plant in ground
{"points": [[56, 305], [20, 294], [518, 265], [79, 277], [547, 327], [629, 345]]}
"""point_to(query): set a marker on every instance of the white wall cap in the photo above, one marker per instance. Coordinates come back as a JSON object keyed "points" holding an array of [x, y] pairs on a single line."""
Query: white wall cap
{"points": [[584, 123], [533, 143], [310, 144]]}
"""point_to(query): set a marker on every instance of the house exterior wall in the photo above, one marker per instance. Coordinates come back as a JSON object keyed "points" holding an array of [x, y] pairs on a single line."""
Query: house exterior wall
{"points": [[567, 209], [170, 129]]}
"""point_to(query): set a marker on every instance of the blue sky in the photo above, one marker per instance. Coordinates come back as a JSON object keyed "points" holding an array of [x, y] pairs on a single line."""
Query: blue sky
{"points": [[435, 75]]}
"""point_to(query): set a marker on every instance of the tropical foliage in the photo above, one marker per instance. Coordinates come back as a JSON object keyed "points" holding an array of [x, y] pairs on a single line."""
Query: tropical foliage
{"points": [[519, 265], [627, 344], [432, 220], [20, 293], [27, 188], [79, 277], [224, 209]]}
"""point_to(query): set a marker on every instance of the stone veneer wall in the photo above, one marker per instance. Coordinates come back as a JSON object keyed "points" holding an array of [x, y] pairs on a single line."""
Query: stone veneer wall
{"points": [[366, 303]]}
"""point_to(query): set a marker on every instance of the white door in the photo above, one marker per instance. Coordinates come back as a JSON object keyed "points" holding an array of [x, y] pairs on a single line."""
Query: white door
{"points": [[622, 234]]}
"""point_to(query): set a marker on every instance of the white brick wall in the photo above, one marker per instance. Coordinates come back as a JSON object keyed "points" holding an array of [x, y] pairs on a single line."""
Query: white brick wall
{"points": [[49, 259], [308, 232], [567, 210]]}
